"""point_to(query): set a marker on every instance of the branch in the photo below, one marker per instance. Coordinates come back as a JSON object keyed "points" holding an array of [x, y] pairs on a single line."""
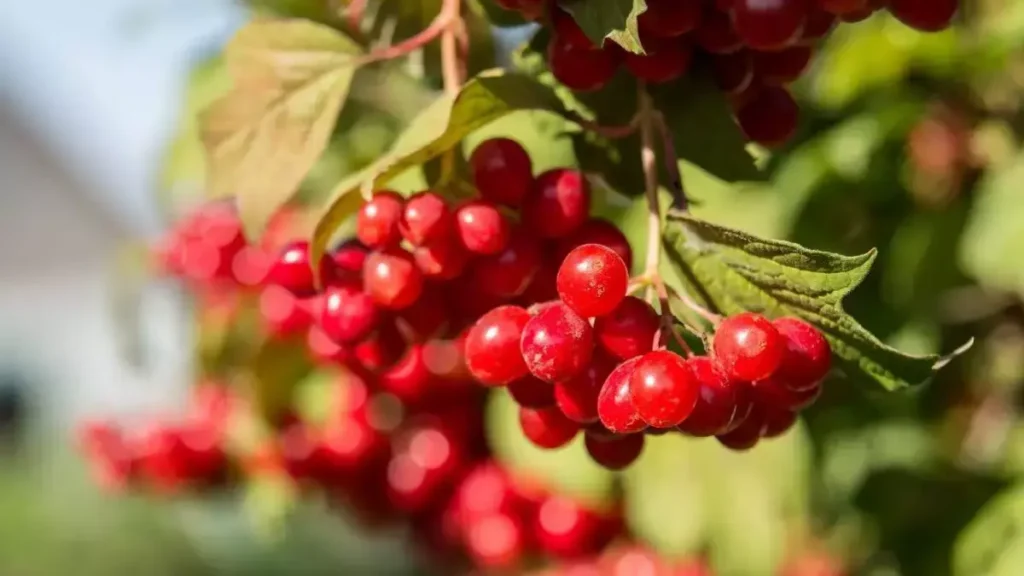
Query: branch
{"points": [[443, 21]]}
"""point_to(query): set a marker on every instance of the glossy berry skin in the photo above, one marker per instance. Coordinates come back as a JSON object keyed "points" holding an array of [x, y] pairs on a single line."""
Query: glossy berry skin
{"points": [[556, 343], [444, 259], [596, 231], [747, 434], [592, 280], [716, 404], [664, 61], [615, 402], [769, 116], [772, 391], [530, 392], [669, 18], [502, 171], [808, 356], [492, 346], [547, 427], [391, 278], [558, 203], [564, 528], [409, 379], [292, 271], [616, 453], [378, 220], [577, 396], [496, 541], [629, 330], [663, 389], [748, 347], [782, 67], [581, 69], [426, 218], [769, 24], [925, 15], [508, 273], [481, 228], [777, 421], [348, 314]]}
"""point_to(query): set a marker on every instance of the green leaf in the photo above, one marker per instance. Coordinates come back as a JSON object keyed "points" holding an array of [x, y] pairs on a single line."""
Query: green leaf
{"points": [[497, 15], [993, 543], [291, 78], [732, 272], [611, 19], [439, 128]]}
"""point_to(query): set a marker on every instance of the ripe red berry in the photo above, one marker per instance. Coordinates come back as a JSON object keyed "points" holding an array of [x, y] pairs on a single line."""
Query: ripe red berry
{"points": [[348, 314], [377, 223], [557, 343], [808, 356], [568, 31], [668, 18], [782, 67], [292, 270], [747, 434], [716, 405], [547, 427], [347, 260], [283, 313], [425, 317], [558, 203], [596, 231], [769, 116], [411, 487], [615, 402], [508, 273], [543, 287], [581, 69], [409, 379], [391, 277], [486, 489], [734, 72], [592, 280], [425, 219], [769, 24], [381, 349], [777, 421], [566, 529], [496, 541], [772, 391], [530, 392], [663, 389], [492, 346], [839, 7], [925, 15], [502, 171], [716, 35], [629, 330], [444, 259], [577, 396], [664, 60], [616, 453], [481, 228], [748, 347]]}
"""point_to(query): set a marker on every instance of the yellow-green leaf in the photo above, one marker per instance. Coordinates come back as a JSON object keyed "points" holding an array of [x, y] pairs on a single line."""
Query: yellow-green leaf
{"points": [[291, 78]]}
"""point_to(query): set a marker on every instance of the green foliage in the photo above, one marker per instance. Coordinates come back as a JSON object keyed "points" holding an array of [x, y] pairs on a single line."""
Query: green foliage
{"points": [[611, 19]]}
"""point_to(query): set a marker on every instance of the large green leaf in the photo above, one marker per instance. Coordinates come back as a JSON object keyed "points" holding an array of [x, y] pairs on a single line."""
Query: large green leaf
{"points": [[290, 80], [615, 20], [993, 543], [732, 272], [484, 99]]}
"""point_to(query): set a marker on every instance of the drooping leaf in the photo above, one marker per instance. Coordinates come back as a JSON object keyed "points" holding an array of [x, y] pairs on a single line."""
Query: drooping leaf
{"points": [[440, 127], [993, 543], [615, 20], [732, 272], [291, 78]]}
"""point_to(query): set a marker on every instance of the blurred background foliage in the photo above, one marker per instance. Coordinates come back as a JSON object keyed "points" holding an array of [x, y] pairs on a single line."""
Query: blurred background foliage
{"points": [[909, 143]]}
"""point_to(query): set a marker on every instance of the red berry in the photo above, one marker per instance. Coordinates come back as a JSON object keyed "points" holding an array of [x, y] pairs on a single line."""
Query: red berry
{"points": [[425, 317], [481, 228], [411, 487], [558, 203], [782, 67], [669, 18], [629, 330], [377, 223], [769, 24], [777, 421], [596, 231], [734, 72], [292, 270], [615, 402], [547, 427], [581, 69], [564, 528], [664, 61], [808, 356], [283, 313], [770, 117], [746, 397], [568, 31], [487, 489], [716, 405], [716, 34], [663, 389], [348, 260], [747, 434], [748, 347], [926, 15], [840, 7], [530, 392], [381, 349], [592, 280], [492, 346], [391, 277], [502, 171], [557, 343], [543, 287], [577, 396], [408, 379], [425, 219], [348, 314], [508, 273], [496, 541], [774, 392], [616, 453], [444, 259], [819, 24]]}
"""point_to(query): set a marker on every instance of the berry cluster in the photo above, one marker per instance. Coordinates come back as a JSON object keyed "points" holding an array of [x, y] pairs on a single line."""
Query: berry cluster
{"points": [[754, 48]]}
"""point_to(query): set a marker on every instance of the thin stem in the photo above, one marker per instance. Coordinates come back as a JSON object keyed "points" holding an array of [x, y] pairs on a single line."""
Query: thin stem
{"points": [[611, 132], [451, 63], [668, 327], [443, 21], [670, 159], [692, 304], [353, 13], [649, 160]]}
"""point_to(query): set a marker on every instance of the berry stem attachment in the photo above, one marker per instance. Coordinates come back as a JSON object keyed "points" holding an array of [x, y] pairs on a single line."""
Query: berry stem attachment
{"points": [[443, 21], [649, 160], [610, 132], [707, 315]]}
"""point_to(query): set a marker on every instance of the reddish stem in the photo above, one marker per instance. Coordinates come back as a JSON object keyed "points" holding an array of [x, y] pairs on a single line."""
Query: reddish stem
{"points": [[443, 21]]}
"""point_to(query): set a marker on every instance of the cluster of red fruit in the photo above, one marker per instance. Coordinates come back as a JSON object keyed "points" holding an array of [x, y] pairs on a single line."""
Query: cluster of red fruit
{"points": [[754, 48]]}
